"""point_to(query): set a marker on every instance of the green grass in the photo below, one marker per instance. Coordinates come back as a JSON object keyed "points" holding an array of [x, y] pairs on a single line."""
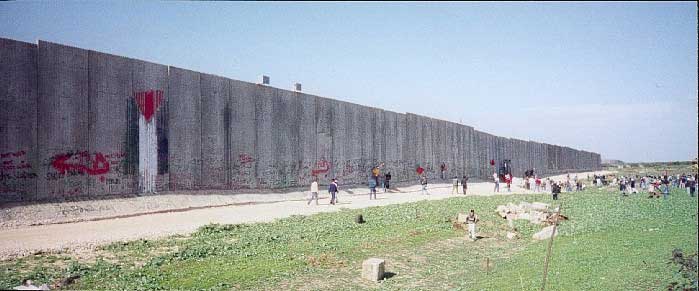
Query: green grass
{"points": [[609, 243]]}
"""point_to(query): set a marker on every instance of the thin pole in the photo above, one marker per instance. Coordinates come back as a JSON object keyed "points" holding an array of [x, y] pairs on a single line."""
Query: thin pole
{"points": [[548, 251]]}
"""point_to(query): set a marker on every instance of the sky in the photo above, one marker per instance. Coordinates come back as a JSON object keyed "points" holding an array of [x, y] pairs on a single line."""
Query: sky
{"points": [[619, 79]]}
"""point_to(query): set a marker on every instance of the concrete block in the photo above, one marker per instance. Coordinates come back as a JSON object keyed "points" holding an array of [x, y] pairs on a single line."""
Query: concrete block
{"points": [[265, 172], [373, 269]]}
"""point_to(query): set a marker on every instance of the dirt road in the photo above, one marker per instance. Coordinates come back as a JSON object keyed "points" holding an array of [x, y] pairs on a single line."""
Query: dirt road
{"points": [[22, 240]]}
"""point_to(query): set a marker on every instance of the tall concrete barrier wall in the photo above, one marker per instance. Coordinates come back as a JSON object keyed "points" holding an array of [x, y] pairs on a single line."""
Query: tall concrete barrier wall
{"points": [[81, 123]]}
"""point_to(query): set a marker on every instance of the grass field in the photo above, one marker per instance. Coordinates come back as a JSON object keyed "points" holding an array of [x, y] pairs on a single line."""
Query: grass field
{"points": [[609, 243]]}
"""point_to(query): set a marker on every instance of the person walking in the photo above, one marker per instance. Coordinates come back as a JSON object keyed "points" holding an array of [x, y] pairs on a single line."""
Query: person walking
{"points": [[471, 220], [372, 187], [387, 182], [442, 170], [692, 185], [314, 191], [555, 190], [423, 182], [333, 192], [497, 182], [463, 184], [508, 182], [666, 186], [455, 186]]}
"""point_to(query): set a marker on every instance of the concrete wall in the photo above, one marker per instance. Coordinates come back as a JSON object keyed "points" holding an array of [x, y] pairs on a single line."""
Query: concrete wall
{"points": [[80, 123]]}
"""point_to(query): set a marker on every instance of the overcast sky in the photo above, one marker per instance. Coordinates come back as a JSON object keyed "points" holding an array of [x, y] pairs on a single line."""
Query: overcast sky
{"points": [[619, 79]]}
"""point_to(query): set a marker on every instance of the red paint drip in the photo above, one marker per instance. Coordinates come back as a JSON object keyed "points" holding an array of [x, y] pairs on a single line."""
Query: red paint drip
{"points": [[148, 102]]}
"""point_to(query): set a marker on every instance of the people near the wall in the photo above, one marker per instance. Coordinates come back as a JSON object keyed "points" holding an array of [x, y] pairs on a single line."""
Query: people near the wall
{"points": [[497, 182], [372, 187], [387, 182], [537, 184], [442, 170], [423, 182], [314, 191], [455, 186], [508, 182], [464, 179], [333, 189], [555, 190]]}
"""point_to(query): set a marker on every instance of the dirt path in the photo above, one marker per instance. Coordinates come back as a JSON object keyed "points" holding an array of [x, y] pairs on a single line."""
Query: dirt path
{"points": [[24, 240]]}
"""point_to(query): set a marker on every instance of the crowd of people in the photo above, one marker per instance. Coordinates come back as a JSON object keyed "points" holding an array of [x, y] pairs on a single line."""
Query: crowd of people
{"points": [[654, 185]]}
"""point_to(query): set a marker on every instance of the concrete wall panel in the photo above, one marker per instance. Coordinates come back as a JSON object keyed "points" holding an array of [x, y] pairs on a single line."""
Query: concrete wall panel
{"points": [[243, 135], [110, 92], [325, 168], [143, 151], [264, 145], [185, 151], [63, 115], [19, 161], [285, 139], [215, 131], [307, 138]]}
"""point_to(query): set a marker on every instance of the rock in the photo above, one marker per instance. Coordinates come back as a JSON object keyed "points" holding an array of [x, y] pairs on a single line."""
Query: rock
{"points": [[373, 269], [537, 217], [545, 233], [359, 219], [511, 235], [539, 206]]}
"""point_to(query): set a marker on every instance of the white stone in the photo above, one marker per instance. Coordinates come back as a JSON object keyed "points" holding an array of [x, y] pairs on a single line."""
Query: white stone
{"points": [[373, 269], [545, 233]]}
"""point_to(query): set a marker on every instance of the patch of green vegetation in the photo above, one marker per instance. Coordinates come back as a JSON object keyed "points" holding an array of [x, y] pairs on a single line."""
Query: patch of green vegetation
{"points": [[609, 243]]}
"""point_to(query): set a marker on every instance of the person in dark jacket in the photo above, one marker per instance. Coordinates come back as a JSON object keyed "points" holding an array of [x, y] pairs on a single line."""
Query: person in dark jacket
{"points": [[555, 190], [387, 182], [463, 184], [333, 192]]}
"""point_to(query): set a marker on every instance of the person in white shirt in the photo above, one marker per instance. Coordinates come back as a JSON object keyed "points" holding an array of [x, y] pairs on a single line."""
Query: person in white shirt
{"points": [[497, 182], [314, 191]]}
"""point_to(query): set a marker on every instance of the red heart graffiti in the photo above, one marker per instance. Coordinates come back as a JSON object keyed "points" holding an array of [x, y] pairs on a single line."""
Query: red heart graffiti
{"points": [[148, 102]]}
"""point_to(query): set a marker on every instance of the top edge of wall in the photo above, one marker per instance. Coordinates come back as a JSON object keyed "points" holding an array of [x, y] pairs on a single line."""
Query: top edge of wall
{"points": [[43, 42]]}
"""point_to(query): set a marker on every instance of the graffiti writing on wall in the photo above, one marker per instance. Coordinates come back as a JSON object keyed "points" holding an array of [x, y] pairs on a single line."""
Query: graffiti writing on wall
{"points": [[245, 159], [148, 102], [322, 167], [85, 163], [14, 166], [81, 162]]}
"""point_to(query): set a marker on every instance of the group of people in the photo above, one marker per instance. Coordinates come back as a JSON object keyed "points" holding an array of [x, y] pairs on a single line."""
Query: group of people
{"points": [[656, 185]]}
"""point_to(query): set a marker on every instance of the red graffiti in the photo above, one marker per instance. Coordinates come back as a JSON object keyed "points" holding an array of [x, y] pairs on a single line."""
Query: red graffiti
{"points": [[81, 162], [245, 158], [148, 102], [322, 167]]}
